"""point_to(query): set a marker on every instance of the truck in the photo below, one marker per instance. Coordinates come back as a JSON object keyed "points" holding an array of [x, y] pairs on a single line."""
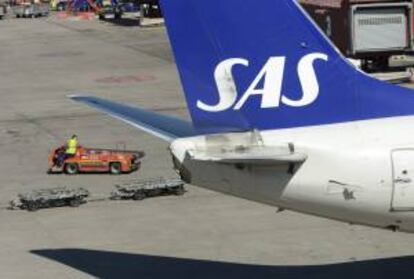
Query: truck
{"points": [[110, 10], [31, 10], [95, 160], [59, 5], [367, 30], [3, 9]]}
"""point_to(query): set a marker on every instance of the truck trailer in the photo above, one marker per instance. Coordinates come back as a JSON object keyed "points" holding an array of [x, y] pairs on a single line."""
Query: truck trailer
{"points": [[368, 30]]}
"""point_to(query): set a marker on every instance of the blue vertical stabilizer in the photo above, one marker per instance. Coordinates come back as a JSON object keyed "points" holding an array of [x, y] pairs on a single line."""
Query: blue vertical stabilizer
{"points": [[264, 64]]}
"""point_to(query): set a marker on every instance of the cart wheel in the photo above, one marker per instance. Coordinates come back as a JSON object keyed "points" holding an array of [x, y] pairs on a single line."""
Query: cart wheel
{"points": [[32, 206], [179, 191], [115, 168], [71, 168], [138, 196], [75, 203]]}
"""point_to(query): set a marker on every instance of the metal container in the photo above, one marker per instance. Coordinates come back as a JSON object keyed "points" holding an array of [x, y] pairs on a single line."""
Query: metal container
{"points": [[366, 29]]}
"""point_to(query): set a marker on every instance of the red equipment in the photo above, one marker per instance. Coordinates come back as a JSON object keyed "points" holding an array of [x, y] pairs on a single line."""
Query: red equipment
{"points": [[93, 160]]}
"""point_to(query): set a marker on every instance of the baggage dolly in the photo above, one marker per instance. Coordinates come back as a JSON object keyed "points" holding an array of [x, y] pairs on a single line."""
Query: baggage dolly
{"points": [[141, 189], [48, 198]]}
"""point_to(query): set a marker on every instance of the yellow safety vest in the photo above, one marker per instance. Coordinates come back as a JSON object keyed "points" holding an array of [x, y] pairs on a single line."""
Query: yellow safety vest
{"points": [[71, 146]]}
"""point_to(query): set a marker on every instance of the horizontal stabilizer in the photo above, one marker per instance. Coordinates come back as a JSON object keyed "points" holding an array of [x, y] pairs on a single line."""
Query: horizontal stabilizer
{"points": [[160, 125], [259, 155]]}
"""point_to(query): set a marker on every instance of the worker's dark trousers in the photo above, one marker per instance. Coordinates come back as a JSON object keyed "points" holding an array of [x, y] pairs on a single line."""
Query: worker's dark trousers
{"points": [[62, 157]]}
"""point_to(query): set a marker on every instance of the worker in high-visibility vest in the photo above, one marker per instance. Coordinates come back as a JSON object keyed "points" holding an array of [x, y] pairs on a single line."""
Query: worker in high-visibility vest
{"points": [[70, 151], [72, 146]]}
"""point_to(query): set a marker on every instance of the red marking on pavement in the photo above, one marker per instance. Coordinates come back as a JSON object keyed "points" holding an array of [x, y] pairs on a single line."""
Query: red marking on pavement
{"points": [[87, 16], [125, 79], [62, 15], [76, 16]]}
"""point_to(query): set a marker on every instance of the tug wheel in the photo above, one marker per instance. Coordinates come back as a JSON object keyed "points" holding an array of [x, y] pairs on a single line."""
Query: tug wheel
{"points": [[115, 168], [71, 168]]}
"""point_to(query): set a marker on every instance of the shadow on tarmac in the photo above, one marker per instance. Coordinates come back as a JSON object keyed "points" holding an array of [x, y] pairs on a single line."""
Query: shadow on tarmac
{"points": [[124, 22], [105, 264]]}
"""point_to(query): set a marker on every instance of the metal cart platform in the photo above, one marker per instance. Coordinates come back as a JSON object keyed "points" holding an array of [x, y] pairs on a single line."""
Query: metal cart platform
{"points": [[141, 189], [47, 198]]}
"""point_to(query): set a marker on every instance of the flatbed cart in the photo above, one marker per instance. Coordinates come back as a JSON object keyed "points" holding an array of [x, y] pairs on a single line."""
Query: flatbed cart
{"points": [[48, 198], [141, 189]]}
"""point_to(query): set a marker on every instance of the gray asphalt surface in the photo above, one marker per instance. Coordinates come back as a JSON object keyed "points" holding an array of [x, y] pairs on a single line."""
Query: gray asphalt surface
{"points": [[200, 235]]}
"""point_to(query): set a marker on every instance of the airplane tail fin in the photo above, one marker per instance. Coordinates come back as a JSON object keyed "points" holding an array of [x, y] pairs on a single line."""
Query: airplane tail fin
{"points": [[249, 64]]}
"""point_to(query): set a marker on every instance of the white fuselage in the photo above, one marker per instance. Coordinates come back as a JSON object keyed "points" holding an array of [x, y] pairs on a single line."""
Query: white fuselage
{"points": [[358, 172]]}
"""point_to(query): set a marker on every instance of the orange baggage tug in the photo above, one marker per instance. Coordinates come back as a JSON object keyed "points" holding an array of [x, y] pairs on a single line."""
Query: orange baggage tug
{"points": [[93, 160]]}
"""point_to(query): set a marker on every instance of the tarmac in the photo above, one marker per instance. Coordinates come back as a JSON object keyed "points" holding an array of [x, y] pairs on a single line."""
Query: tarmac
{"points": [[199, 235]]}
